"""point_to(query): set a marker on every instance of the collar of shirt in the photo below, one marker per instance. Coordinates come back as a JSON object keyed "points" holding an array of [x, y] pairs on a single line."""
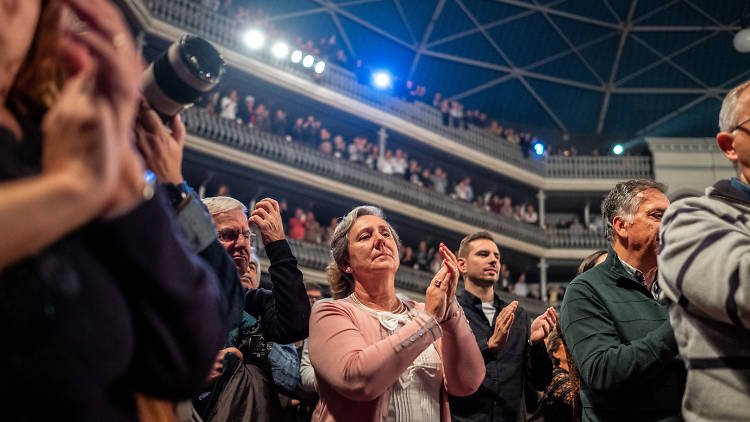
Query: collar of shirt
{"points": [[638, 276]]}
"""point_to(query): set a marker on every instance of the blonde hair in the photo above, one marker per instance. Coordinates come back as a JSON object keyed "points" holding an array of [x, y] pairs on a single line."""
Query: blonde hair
{"points": [[342, 284]]}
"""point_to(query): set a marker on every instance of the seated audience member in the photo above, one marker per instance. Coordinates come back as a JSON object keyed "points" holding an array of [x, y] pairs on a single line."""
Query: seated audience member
{"points": [[576, 227], [520, 288], [510, 340], [375, 353], [279, 123], [617, 331], [703, 271], [506, 210], [408, 259], [262, 119], [423, 256], [102, 298], [246, 389]]}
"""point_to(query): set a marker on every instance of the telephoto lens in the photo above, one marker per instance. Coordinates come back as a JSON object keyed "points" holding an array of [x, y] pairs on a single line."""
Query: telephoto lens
{"points": [[188, 69]]}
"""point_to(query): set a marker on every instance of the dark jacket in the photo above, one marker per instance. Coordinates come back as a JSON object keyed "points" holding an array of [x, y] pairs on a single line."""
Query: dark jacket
{"points": [[623, 345], [109, 309], [500, 397]]}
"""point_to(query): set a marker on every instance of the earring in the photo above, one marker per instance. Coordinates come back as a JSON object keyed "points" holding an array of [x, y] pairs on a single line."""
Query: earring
{"points": [[348, 269]]}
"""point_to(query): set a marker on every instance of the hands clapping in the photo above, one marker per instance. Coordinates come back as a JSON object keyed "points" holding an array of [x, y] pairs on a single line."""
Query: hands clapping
{"points": [[442, 289], [543, 325]]}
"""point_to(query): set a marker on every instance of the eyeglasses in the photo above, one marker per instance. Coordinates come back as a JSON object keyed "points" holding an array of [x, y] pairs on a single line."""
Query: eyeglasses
{"points": [[230, 235], [739, 126]]}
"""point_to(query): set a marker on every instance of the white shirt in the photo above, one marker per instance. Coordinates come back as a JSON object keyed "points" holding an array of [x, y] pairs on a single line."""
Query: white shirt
{"points": [[228, 108]]}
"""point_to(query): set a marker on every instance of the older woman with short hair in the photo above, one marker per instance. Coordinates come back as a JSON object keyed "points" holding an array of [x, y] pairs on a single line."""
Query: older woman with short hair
{"points": [[378, 356]]}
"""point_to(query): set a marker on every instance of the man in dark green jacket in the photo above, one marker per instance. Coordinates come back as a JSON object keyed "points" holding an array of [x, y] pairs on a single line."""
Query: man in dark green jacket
{"points": [[618, 332]]}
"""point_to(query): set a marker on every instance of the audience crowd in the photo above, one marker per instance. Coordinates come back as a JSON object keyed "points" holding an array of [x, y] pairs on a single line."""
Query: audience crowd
{"points": [[454, 114]]}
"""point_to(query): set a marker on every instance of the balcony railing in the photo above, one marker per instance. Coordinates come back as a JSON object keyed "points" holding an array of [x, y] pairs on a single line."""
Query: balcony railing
{"points": [[195, 18], [310, 255], [269, 146]]}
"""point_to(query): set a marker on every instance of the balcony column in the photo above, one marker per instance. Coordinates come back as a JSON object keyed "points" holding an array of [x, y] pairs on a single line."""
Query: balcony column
{"points": [[541, 196], [543, 278], [382, 136]]}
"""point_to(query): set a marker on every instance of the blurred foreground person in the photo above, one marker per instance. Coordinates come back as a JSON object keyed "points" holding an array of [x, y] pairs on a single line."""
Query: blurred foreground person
{"points": [[100, 298], [704, 269], [380, 357], [616, 329]]}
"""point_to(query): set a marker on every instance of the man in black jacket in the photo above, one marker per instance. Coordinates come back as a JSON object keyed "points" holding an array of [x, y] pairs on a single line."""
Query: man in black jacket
{"points": [[511, 344]]}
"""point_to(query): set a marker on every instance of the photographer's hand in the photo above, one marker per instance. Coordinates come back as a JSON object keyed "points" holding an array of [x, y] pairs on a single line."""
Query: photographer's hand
{"points": [[161, 150]]}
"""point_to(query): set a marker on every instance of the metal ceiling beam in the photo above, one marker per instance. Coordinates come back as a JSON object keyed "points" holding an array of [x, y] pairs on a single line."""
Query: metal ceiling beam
{"points": [[404, 20], [426, 36], [612, 11], [670, 56], [570, 45], [670, 91], [654, 11], [572, 16], [615, 65], [482, 87], [669, 116], [702, 12], [736, 79], [316, 10], [490, 25], [694, 28], [666, 59], [514, 69], [519, 71], [336, 9]]}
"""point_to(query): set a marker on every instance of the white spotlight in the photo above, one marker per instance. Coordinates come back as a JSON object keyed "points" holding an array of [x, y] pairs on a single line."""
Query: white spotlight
{"points": [[382, 80], [296, 56], [618, 149], [254, 39], [280, 50], [320, 66], [308, 61]]}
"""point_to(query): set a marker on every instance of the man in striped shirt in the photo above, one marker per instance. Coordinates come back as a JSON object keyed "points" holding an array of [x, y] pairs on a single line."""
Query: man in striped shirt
{"points": [[704, 271]]}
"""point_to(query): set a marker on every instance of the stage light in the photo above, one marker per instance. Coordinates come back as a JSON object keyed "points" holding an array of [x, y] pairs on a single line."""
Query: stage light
{"points": [[296, 56], [320, 66], [254, 39], [538, 148], [742, 40], [280, 50], [381, 80], [308, 61], [618, 149]]}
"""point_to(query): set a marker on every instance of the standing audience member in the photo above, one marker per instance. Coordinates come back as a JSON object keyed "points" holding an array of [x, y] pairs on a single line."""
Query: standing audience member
{"points": [[229, 106], [618, 332], [377, 355], [102, 299], [246, 392], [703, 271], [512, 345], [297, 225]]}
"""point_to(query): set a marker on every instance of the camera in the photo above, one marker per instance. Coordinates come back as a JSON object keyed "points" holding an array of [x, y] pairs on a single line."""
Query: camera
{"points": [[189, 68]]}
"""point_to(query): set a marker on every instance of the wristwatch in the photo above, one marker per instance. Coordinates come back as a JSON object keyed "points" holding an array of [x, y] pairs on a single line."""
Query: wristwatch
{"points": [[178, 194]]}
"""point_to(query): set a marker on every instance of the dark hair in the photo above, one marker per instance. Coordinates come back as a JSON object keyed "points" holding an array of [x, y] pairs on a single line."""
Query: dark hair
{"points": [[623, 201], [590, 261], [463, 248]]}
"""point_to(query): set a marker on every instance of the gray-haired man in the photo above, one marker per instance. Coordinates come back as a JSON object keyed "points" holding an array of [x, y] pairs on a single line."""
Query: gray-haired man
{"points": [[617, 331], [705, 273]]}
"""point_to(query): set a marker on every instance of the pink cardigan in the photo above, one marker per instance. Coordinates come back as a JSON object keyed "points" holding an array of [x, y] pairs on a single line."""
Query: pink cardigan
{"points": [[356, 363]]}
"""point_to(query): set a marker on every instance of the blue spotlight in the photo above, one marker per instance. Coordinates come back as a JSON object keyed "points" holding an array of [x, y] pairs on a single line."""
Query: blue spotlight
{"points": [[538, 148], [381, 80], [618, 149]]}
